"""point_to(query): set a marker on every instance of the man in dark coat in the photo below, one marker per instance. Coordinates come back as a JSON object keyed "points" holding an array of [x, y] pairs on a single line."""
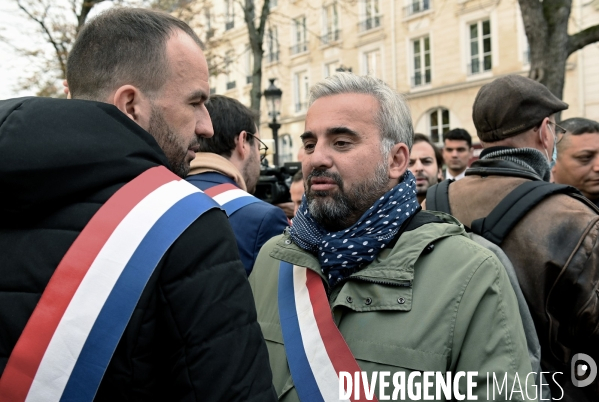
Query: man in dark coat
{"points": [[233, 157], [554, 247], [139, 82]]}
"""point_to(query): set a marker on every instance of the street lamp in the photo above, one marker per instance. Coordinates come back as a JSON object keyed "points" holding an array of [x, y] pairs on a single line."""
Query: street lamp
{"points": [[273, 101]]}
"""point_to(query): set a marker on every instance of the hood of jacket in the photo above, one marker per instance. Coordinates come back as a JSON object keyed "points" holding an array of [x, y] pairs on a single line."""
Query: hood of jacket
{"points": [[56, 152]]}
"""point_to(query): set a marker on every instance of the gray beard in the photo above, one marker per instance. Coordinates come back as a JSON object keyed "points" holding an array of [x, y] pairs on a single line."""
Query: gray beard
{"points": [[341, 209]]}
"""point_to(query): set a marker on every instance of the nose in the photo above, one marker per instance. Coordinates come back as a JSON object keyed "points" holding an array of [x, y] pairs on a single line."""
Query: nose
{"points": [[596, 163], [203, 126], [320, 158]]}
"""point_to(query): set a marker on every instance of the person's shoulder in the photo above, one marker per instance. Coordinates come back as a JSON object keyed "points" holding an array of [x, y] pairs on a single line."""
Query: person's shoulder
{"points": [[261, 210], [444, 238]]}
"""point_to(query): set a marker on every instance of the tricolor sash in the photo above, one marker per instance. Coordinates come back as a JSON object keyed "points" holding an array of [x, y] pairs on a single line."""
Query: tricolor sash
{"points": [[316, 351], [69, 339], [230, 197]]}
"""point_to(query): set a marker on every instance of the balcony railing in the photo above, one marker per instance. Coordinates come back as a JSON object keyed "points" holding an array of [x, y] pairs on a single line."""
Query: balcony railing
{"points": [[477, 67], [419, 79], [417, 7], [230, 85], [370, 23], [229, 25], [330, 37], [272, 57], [299, 48]]}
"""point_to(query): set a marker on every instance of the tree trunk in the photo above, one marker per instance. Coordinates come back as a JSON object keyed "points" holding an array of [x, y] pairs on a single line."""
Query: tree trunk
{"points": [[256, 38], [546, 26]]}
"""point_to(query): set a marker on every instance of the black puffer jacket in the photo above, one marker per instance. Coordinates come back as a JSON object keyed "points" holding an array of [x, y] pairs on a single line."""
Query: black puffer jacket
{"points": [[193, 335]]}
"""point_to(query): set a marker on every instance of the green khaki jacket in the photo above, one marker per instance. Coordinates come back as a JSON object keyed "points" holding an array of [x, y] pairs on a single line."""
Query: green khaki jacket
{"points": [[436, 301]]}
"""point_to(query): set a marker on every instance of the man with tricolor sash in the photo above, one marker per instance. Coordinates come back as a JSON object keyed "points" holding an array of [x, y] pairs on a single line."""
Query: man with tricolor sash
{"points": [[366, 286], [228, 169], [120, 281]]}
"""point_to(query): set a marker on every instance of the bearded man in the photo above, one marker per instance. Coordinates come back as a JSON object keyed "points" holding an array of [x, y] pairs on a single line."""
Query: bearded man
{"points": [[364, 281]]}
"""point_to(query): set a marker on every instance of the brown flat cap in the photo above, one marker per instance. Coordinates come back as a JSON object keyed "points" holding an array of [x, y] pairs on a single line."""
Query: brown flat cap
{"points": [[510, 105]]}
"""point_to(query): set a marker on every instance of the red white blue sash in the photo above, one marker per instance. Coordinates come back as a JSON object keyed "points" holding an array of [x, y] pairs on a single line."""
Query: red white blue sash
{"points": [[316, 351], [69, 340], [230, 197]]}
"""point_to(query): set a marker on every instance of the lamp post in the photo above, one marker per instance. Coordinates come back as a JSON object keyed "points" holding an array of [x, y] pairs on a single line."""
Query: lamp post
{"points": [[273, 100]]}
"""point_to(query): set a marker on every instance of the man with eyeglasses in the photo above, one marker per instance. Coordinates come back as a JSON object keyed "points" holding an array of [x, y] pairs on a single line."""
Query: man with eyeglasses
{"points": [[553, 246], [228, 168], [578, 157]]}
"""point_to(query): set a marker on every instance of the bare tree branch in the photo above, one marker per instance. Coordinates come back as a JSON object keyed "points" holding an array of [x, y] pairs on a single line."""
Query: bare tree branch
{"points": [[41, 21], [583, 38]]}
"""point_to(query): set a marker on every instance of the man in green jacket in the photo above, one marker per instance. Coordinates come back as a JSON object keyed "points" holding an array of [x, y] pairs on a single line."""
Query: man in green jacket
{"points": [[409, 293]]}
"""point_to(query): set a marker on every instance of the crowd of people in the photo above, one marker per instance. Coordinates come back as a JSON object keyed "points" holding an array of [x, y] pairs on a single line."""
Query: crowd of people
{"points": [[137, 265]]}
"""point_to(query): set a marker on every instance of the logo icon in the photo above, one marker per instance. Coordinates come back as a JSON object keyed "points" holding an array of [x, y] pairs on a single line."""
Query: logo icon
{"points": [[583, 370]]}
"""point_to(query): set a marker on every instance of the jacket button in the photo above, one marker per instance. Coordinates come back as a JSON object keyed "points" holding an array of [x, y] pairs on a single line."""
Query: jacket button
{"points": [[287, 241], [368, 301], [401, 300], [349, 299]]}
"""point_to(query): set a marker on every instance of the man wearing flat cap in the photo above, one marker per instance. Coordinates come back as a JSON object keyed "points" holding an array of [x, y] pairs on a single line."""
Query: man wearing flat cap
{"points": [[554, 248]]}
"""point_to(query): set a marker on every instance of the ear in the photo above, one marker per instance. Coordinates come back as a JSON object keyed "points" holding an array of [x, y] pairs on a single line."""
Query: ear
{"points": [[544, 134], [131, 101], [398, 160], [242, 149]]}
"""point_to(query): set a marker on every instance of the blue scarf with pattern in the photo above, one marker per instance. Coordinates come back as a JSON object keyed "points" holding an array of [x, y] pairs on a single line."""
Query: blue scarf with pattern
{"points": [[344, 252]]}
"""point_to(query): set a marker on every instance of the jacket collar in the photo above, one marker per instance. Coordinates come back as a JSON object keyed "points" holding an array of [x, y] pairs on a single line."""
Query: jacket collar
{"points": [[210, 162], [392, 266], [498, 167]]}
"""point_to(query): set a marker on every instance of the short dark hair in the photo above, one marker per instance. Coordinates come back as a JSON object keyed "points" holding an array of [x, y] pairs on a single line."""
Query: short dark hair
{"points": [[229, 118], [298, 176], [579, 125], [438, 155], [458, 134], [122, 46]]}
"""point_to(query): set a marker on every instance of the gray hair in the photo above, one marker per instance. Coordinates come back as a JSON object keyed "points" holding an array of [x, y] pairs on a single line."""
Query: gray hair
{"points": [[393, 117]]}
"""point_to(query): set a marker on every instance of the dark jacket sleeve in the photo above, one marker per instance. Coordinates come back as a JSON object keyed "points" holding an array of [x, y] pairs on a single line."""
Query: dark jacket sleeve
{"points": [[272, 224], [574, 300], [219, 352]]}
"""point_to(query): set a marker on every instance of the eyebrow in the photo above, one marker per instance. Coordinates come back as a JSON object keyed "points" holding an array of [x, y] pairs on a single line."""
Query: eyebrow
{"points": [[199, 95], [331, 131]]}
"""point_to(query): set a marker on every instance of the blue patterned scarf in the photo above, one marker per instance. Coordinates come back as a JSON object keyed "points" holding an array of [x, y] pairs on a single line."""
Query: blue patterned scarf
{"points": [[344, 252]]}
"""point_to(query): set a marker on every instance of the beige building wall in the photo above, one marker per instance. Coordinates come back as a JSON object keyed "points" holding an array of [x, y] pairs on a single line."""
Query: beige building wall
{"points": [[377, 37]]}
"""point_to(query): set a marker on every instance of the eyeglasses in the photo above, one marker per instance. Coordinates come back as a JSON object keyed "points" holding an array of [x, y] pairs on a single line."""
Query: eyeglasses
{"points": [[262, 149], [559, 131]]}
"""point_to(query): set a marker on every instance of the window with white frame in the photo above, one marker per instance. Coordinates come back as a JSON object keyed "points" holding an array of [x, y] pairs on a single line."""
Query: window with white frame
{"points": [[229, 14], [330, 68], [208, 28], [480, 47], [372, 63], [421, 61], [371, 15], [249, 64], [212, 82], [230, 75], [272, 44], [330, 19], [285, 149], [438, 123], [301, 88], [417, 6], [299, 38]]}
